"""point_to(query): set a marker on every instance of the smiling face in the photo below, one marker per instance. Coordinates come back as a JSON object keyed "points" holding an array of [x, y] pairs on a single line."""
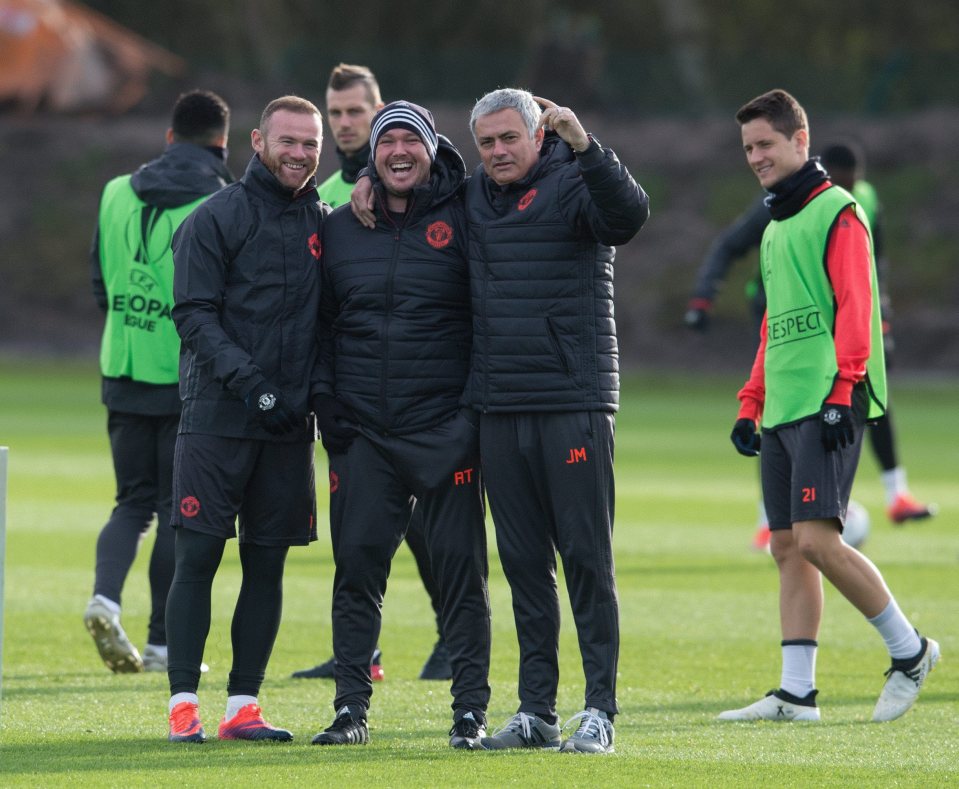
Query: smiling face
{"points": [[289, 146], [349, 113], [772, 155], [504, 144], [402, 162]]}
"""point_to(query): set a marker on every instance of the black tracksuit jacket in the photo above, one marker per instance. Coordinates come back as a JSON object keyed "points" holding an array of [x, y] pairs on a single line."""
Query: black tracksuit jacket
{"points": [[246, 287]]}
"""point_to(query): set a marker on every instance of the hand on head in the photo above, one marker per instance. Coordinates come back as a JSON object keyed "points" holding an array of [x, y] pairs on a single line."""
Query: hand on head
{"points": [[564, 122]]}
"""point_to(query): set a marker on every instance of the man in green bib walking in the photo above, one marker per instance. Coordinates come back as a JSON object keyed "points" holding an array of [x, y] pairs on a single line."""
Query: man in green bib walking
{"points": [[818, 377], [132, 272]]}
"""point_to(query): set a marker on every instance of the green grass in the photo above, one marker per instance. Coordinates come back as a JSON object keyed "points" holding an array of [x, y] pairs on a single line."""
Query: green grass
{"points": [[698, 611]]}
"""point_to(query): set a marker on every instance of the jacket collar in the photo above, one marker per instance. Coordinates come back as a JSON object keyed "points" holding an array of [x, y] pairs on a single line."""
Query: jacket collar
{"points": [[262, 182]]}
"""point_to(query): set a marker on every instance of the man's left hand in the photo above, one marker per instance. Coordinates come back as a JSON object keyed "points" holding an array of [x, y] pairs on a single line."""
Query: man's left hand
{"points": [[836, 427], [564, 122]]}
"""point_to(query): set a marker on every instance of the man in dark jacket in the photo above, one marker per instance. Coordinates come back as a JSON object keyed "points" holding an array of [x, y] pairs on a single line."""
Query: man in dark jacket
{"points": [[132, 271], [398, 302], [544, 210], [352, 99], [247, 291]]}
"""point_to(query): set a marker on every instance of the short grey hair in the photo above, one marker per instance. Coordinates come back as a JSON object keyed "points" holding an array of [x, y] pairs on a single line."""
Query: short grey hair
{"points": [[508, 99]]}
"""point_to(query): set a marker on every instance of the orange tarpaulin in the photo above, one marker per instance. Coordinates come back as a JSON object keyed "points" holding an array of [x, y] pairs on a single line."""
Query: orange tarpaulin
{"points": [[64, 57]]}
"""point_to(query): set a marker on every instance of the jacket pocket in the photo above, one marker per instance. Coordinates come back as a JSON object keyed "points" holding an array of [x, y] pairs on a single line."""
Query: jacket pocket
{"points": [[553, 335]]}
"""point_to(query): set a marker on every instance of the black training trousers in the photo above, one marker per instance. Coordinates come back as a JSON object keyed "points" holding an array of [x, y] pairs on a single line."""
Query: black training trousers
{"points": [[142, 448], [549, 479], [416, 542], [370, 487]]}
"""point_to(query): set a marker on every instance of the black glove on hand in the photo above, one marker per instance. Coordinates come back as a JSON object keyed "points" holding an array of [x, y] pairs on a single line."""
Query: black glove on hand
{"points": [[333, 418], [270, 410], [697, 314], [745, 438], [836, 427]]}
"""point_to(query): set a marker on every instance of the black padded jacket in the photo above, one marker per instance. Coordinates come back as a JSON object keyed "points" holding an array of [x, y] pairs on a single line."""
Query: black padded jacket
{"points": [[246, 287], [397, 299], [541, 269]]}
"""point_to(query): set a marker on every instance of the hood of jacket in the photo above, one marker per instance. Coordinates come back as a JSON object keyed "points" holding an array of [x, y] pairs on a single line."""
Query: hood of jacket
{"points": [[182, 174]]}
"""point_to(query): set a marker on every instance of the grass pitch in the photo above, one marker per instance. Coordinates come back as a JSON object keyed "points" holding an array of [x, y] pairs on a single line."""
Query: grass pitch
{"points": [[698, 611]]}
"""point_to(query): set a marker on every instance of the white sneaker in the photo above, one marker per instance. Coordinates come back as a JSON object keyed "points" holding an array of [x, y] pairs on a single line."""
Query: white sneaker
{"points": [[595, 733], [116, 651], [155, 659], [777, 705], [524, 730], [903, 684]]}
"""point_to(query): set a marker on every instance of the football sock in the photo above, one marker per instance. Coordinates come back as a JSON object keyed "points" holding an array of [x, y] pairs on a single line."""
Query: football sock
{"points": [[235, 703], [894, 482], [901, 638], [799, 666], [176, 698]]}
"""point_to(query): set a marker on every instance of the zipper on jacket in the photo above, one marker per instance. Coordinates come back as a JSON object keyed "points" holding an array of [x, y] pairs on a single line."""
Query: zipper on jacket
{"points": [[387, 317]]}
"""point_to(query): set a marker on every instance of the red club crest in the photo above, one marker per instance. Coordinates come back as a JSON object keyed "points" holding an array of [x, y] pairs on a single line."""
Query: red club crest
{"points": [[526, 199], [190, 506], [315, 246], [439, 234], [334, 482]]}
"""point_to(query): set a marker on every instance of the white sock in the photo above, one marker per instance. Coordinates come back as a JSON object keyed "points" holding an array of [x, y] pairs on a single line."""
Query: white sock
{"points": [[900, 636], [177, 698], [799, 667], [158, 649], [894, 481], [112, 605], [235, 703]]}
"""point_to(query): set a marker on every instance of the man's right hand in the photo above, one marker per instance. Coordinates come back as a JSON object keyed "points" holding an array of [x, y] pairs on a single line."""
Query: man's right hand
{"points": [[697, 314], [361, 202], [270, 410], [745, 438], [333, 419]]}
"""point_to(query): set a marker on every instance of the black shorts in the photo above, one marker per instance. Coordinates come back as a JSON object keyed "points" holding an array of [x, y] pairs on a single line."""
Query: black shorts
{"points": [[268, 484], [802, 481]]}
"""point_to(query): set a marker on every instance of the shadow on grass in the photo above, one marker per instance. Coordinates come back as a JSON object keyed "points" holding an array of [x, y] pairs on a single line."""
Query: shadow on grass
{"points": [[214, 762], [22, 686]]}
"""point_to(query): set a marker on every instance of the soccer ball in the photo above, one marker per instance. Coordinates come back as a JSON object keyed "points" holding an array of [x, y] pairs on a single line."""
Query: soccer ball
{"points": [[857, 524]]}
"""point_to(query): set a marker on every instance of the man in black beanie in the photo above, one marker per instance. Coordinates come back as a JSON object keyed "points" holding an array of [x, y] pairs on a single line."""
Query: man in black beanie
{"points": [[398, 305], [352, 100]]}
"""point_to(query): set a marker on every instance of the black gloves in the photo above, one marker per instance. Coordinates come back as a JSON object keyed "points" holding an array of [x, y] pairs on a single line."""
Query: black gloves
{"points": [[836, 426], [697, 314], [745, 438], [270, 410], [333, 418]]}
